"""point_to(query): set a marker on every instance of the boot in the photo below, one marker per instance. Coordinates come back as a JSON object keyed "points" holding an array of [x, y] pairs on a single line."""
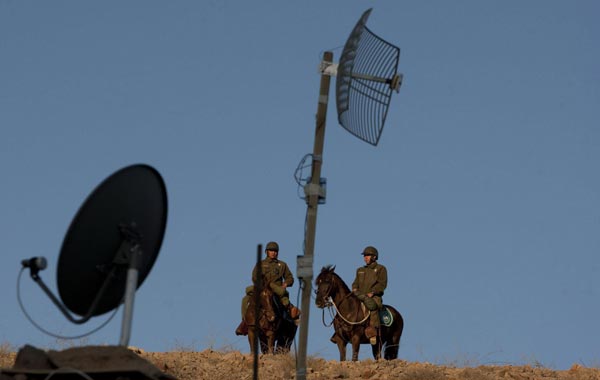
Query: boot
{"points": [[371, 333], [373, 339], [242, 329], [293, 311], [372, 330]]}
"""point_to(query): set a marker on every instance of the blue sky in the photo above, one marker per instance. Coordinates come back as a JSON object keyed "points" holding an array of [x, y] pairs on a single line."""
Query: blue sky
{"points": [[483, 196]]}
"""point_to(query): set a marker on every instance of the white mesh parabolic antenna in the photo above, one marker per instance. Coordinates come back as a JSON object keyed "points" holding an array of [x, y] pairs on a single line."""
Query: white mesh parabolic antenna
{"points": [[366, 76]]}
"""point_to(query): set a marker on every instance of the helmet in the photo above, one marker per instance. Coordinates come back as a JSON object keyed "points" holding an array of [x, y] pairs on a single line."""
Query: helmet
{"points": [[371, 251], [272, 246]]}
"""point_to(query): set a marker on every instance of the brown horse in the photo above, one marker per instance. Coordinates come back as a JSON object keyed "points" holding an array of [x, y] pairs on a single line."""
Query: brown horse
{"points": [[275, 331], [352, 318]]}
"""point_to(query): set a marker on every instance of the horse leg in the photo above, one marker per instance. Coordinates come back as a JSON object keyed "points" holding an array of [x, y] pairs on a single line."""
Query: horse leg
{"points": [[392, 345], [270, 342], [285, 337], [376, 349], [341, 344], [391, 350], [283, 345], [355, 346], [251, 337]]}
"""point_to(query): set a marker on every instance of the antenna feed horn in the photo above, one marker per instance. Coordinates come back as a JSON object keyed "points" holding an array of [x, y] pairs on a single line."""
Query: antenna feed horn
{"points": [[396, 82], [35, 264]]}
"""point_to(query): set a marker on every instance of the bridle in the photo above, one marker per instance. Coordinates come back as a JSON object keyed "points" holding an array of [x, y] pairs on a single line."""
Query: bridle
{"points": [[327, 297], [330, 303]]}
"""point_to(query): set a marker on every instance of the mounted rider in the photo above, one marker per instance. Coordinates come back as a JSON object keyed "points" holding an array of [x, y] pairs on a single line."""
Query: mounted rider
{"points": [[278, 277], [369, 285]]}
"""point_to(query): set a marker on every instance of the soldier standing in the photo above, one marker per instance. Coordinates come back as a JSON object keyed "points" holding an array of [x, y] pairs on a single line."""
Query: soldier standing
{"points": [[278, 277], [369, 285]]}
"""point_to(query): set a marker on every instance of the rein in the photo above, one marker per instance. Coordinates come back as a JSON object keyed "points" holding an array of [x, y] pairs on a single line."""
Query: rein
{"points": [[323, 317], [329, 303], [337, 313]]}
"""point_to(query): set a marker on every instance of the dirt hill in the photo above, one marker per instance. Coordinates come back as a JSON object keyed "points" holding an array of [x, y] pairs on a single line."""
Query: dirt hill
{"points": [[214, 365]]}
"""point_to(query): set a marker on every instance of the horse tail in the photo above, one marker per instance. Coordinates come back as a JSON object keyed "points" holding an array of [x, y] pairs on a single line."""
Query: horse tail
{"points": [[392, 341]]}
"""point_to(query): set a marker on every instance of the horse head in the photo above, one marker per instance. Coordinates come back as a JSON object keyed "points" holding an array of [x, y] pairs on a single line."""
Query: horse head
{"points": [[325, 283], [267, 304]]}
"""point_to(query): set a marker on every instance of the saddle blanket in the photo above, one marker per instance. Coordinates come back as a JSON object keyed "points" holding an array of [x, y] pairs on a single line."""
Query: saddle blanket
{"points": [[385, 317]]}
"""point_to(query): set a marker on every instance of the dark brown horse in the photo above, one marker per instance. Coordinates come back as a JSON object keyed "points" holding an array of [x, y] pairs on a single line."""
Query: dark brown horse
{"points": [[352, 318], [275, 331]]}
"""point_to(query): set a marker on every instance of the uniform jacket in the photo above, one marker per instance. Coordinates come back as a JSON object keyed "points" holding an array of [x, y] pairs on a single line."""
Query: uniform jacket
{"points": [[371, 278], [274, 271]]}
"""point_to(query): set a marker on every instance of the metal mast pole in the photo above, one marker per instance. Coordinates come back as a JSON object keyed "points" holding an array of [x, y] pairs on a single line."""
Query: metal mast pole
{"points": [[312, 191]]}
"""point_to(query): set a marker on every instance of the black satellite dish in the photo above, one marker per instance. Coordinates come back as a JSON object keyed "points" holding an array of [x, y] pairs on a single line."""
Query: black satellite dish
{"points": [[128, 208], [110, 246]]}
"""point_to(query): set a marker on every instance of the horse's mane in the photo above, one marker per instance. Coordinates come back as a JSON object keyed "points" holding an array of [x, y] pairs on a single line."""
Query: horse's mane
{"points": [[263, 285], [330, 269]]}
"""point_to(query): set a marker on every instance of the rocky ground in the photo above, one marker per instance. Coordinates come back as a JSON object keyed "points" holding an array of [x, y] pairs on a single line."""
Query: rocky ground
{"points": [[215, 365]]}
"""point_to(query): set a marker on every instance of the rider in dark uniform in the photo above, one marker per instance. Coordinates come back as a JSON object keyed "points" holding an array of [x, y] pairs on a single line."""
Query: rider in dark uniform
{"points": [[369, 285], [278, 277]]}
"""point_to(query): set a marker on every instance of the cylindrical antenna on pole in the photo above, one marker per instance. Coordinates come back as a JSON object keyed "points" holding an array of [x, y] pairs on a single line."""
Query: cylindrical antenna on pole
{"points": [[312, 191]]}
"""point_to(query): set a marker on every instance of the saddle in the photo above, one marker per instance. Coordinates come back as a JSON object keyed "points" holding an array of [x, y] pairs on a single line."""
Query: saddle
{"points": [[386, 318], [281, 310]]}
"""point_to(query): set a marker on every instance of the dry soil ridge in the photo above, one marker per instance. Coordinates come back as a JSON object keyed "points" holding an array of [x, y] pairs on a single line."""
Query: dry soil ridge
{"points": [[215, 365], [234, 365]]}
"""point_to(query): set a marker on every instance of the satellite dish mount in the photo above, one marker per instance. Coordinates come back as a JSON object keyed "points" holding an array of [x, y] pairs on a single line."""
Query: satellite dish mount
{"points": [[110, 247]]}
